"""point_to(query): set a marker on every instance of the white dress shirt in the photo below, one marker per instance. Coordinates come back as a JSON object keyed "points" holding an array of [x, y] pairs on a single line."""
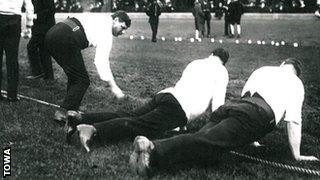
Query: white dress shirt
{"points": [[281, 89], [98, 30], [203, 81], [13, 7]]}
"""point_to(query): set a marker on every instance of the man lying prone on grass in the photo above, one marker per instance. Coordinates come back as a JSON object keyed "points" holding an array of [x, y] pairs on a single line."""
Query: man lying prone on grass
{"points": [[202, 86], [272, 93]]}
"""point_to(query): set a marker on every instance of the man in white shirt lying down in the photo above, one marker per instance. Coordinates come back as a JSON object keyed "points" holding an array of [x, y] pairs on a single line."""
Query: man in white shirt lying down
{"points": [[271, 94], [201, 87]]}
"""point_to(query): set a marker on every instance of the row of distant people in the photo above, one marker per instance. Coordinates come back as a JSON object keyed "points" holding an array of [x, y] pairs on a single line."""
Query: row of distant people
{"points": [[77, 6], [185, 5]]}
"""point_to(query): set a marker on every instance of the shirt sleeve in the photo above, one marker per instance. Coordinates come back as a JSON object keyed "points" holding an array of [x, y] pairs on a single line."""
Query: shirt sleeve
{"points": [[101, 60], [250, 83], [29, 12], [219, 94], [294, 105]]}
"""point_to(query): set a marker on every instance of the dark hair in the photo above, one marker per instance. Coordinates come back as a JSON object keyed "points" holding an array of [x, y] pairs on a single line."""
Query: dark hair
{"points": [[222, 54], [123, 17], [296, 64]]}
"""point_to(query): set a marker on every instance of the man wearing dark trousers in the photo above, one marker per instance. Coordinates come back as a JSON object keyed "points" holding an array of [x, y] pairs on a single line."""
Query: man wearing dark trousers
{"points": [[153, 10], [39, 57], [201, 87], [226, 18], [271, 94], [205, 5], [10, 29], [66, 39]]}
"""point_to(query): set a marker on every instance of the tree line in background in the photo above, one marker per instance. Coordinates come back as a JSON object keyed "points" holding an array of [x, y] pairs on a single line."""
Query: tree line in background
{"points": [[266, 6]]}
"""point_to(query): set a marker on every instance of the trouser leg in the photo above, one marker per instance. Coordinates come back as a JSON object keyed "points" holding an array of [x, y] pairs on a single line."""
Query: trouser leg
{"points": [[208, 20], [46, 61], [1, 56], [78, 79], [232, 29], [203, 146], [91, 118], [11, 47], [34, 55], [68, 56], [77, 88], [166, 115], [154, 22], [226, 28], [208, 27], [208, 144]]}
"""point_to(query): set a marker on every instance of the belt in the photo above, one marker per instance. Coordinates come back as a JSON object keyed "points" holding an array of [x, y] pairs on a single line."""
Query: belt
{"points": [[258, 100], [78, 31]]}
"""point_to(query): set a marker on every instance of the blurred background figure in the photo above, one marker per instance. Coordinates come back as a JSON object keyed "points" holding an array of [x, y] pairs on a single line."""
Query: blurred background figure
{"points": [[198, 19], [63, 6], [218, 9], [317, 13], [39, 58], [96, 6], [139, 5], [153, 10], [205, 5], [76, 7], [225, 8], [236, 10], [10, 29]]}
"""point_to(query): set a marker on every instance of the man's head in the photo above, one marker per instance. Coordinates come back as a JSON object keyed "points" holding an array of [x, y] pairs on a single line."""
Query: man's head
{"points": [[121, 22], [222, 54], [295, 63]]}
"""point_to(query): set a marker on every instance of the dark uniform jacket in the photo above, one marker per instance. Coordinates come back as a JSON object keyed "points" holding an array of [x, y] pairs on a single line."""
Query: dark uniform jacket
{"points": [[45, 10], [236, 9], [153, 8], [198, 13]]}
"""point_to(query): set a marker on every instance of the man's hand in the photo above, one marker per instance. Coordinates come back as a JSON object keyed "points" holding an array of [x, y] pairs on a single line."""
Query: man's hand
{"points": [[306, 158], [256, 144], [118, 93]]}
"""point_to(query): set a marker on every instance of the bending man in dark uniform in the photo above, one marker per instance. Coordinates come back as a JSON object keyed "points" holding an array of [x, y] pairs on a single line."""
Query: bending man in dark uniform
{"points": [[39, 57], [270, 94], [65, 41]]}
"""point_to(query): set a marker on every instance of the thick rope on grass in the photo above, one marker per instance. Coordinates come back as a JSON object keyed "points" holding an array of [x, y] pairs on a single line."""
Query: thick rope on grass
{"points": [[262, 161], [279, 165]]}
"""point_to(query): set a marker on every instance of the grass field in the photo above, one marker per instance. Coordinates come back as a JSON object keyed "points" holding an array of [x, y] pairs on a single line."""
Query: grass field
{"points": [[142, 68]]}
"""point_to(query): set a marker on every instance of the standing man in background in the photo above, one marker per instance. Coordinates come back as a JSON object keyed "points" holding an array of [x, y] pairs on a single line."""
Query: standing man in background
{"points": [[10, 29], [226, 17], [153, 10], [236, 10], [207, 15], [39, 57], [66, 39], [198, 19]]}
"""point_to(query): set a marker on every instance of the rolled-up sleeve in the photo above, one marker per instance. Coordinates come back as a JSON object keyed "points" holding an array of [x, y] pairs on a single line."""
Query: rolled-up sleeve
{"points": [[219, 94], [101, 60], [29, 12], [294, 106]]}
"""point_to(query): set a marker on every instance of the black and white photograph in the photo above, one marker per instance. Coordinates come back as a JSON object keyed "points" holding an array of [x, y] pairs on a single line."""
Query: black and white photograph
{"points": [[160, 89]]}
